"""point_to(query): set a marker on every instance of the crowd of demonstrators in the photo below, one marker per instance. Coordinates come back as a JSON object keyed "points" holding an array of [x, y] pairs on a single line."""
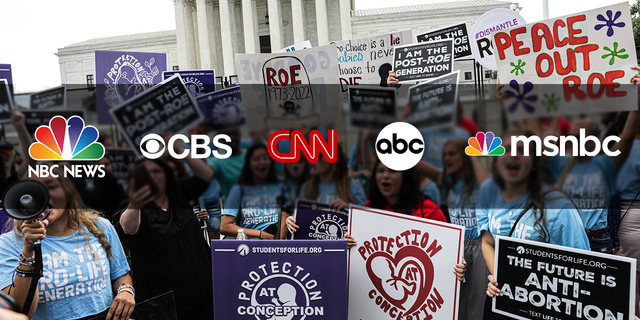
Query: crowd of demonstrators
{"points": [[168, 251], [87, 244]]}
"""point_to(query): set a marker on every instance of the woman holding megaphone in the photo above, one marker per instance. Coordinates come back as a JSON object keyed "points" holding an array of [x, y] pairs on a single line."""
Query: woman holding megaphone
{"points": [[85, 271]]}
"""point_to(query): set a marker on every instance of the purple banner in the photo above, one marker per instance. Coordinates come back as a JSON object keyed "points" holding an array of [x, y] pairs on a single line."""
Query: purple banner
{"points": [[5, 73], [291, 280], [223, 109], [198, 82], [121, 75], [318, 221]]}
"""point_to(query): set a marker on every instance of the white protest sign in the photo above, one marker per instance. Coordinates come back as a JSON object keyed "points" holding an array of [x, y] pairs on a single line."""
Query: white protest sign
{"points": [[367, 61], [424, 60], [488, 23], [580, 63], [298, 46], [280, 90], [402, 267]]}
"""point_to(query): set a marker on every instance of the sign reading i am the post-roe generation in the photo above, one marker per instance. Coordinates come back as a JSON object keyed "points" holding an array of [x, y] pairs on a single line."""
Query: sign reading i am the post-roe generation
{"points": [[292, 280], [545, 281], [458, 33], [425, 60]]}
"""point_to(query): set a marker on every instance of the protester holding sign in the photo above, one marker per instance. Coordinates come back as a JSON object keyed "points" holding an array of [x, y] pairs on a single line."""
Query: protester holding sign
{"points": [[80, 251], [168, 251], [459, 184], [515, 203], [8, 154], [254, 203]]}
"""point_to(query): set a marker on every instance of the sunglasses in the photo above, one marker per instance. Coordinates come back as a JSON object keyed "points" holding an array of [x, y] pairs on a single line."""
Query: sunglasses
{"points": [[8, 152]]}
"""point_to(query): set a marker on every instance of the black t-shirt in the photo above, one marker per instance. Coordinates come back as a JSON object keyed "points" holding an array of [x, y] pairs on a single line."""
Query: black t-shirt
{"points": [[102, 194], [169, 251]]}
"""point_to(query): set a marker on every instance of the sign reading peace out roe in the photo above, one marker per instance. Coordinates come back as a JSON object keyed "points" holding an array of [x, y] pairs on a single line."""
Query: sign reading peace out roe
{"points": [[168, 106], [424, 60], [292, 280], [317, 221], [544, 281], [580, 63], [402, 267]]}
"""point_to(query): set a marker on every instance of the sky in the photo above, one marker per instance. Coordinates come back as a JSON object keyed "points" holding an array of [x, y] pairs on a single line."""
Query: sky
{"points": [[35, 29]]}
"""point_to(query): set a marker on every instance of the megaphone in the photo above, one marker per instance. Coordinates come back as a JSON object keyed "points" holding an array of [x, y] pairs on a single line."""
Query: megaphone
{"points": [[26, 199]]}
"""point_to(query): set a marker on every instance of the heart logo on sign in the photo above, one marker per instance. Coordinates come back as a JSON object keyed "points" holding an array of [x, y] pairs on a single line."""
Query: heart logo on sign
{"points": [[405, 280]]}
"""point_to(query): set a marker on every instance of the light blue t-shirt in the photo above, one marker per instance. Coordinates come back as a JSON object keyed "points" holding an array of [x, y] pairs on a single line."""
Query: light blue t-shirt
{"points": [[211, 202], [497, 216], [259, 204], [328, 192], [462, 208], [431, 190], [589, 184], [628, 182], [74, 284], [227, 171], [434, 141]]}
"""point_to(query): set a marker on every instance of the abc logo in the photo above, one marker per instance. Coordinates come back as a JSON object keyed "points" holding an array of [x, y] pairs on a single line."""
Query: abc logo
{"points": [[399, 146]]}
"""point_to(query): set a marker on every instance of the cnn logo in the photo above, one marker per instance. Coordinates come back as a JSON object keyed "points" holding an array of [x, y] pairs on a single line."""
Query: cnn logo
{"points": [[298, 143]]}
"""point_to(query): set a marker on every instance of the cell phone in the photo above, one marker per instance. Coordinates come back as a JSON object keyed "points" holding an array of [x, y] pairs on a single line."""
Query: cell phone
{"points": [[143, 178]]}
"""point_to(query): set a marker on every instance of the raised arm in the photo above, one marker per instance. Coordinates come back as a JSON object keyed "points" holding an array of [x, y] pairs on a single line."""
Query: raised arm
{"points": [[429, 170], [130, 217], [17, 119], [199, 167], [479, 170], [368, 161]]}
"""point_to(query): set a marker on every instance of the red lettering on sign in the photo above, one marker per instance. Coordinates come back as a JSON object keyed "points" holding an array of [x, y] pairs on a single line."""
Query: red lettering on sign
{"points": [[294, 74], [585, 50], [571, 62], [556, 34], [544, 74], [601, 85], [271, 73], [572, 89], [502, 42], [536, 37], [611, 86], [573, 40], [517, 50]]}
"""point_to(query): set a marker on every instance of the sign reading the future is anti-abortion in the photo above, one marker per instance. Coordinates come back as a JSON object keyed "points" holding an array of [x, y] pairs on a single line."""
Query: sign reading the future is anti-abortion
{"points": [[318, 221], [293, 280], [50, 99], [434, 103], [121, 75], [545, 281], [367, 61], [402, 266], [580, 63], [282, 90], [198, 82]]}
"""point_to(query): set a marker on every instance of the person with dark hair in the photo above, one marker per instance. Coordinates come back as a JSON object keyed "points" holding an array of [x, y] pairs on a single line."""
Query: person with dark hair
{"points": [[81, 252], [178, 168], [516, 203], [253, 204], [168, 250]]}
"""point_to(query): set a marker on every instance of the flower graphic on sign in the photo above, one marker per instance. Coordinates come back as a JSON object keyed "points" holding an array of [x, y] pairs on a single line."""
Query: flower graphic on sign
{"points": [[518, 67], [609, 22], [551, 102], [614, 53], [523, 97]]}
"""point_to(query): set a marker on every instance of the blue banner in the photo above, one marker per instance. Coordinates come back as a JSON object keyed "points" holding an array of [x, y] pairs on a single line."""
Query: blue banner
{"points": [[198, 82], [223, 108], [5, 73], [317, 221], [291, 280]]}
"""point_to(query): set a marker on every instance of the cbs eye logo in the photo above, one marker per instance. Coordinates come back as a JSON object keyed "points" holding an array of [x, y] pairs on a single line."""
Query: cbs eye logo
{"points": [[152, 146], [400, 146]]}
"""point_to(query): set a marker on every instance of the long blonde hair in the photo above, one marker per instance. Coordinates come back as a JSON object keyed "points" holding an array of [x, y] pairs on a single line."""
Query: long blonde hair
{"points": [[80, 218]]}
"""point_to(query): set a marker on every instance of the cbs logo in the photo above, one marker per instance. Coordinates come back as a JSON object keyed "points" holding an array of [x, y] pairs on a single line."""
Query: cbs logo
{"points": [[400, 146], [152, 146]]}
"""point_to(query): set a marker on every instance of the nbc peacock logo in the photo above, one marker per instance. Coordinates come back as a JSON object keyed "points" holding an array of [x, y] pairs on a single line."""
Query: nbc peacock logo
{"points": [[484, 145], [66, 140]]}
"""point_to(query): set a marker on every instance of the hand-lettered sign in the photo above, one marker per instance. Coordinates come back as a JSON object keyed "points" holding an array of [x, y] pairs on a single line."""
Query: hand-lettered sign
{"points": [[580, 63]]}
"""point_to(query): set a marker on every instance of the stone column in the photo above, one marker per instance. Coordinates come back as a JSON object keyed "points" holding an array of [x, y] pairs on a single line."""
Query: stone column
{"points": [[249, 31], [181, 34], [256, 27], [203, 35], [322, 22], [275, 25], [227, 41], [297, 15], [196, 37], [345, 19], [190, 38], [212, 35]]}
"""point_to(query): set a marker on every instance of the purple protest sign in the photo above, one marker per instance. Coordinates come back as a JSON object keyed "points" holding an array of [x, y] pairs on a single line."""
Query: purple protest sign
{"points": [[290, 280], [121, 75], [223, 109], [5, 73], [198, 82], [318, 221]]}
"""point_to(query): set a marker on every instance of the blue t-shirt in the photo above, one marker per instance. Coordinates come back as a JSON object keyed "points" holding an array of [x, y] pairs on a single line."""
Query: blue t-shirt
{"points": [[462, 208], [328, 192], [589, 184], [227, 171], [74, 284], [211, 202], [496, 216], [431, 190], [434, 141], [259, 204], [628, 182]]}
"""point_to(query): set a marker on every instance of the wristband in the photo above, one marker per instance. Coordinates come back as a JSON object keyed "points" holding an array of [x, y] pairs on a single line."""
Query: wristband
{"points": [[126, 289], [24, 273], [260, 236]]}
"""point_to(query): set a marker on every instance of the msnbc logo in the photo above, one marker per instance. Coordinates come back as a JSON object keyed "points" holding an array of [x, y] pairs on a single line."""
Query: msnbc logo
{"points": [[484, 145], [66, 140]]}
